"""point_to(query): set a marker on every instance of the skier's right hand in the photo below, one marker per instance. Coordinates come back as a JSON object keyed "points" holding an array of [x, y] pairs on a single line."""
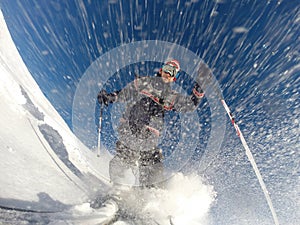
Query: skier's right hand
{"points": [[105, 98], [197, 91]]}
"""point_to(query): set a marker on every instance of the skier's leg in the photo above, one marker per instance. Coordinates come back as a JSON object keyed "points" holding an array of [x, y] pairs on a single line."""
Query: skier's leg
{"points": [[119, 164], [124, 159], [117, 168], [151, 168]]}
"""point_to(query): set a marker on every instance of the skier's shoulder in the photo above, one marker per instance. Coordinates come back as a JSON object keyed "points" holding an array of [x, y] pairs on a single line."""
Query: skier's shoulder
{"points": [[142, 81], [140, 78]]}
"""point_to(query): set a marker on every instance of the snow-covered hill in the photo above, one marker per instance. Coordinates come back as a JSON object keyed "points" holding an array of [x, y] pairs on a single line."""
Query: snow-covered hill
{"points": [[43, 165]]}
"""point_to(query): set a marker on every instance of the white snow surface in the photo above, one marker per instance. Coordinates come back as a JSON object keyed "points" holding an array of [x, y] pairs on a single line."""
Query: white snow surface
{"points": [[34, 177], [186, 200], [29, 167]]}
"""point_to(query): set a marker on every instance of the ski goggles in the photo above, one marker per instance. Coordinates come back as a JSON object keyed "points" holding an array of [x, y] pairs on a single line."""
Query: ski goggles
{"points": [[171, 70]]}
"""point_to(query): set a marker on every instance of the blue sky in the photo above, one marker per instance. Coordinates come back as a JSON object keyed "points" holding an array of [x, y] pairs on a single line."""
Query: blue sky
{"points": [[248, 45], [59, 40]]}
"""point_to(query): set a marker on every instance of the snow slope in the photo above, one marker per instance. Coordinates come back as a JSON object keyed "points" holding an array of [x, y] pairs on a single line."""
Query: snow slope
{"points": [[43, 165]]}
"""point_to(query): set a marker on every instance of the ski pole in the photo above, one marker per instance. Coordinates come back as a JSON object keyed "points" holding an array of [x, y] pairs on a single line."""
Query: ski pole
{"points": [[210, 82], [99, 129], [252, 161]]}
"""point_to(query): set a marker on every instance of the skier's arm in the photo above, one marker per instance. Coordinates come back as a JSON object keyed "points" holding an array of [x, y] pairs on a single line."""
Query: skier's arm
{"points": [[189, 103], [123, 95]]}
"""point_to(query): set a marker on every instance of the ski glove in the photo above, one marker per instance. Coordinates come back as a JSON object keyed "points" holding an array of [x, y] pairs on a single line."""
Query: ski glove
{"points": [[197, 91], [197, 94], [105, 98]]}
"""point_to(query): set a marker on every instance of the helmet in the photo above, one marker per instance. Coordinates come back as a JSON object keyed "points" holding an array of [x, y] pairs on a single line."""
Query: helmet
{"points": [[172, 67]]}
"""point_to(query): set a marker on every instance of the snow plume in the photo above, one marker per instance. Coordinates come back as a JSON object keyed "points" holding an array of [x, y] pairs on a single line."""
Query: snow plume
{"points": [[186, 200]]}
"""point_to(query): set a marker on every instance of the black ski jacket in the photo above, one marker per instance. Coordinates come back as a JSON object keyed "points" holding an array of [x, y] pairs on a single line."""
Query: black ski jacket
{"points": [[147, 99]]}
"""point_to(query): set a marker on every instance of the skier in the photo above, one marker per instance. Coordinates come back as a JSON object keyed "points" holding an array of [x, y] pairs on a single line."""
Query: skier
{"points": [[140, 128]]}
